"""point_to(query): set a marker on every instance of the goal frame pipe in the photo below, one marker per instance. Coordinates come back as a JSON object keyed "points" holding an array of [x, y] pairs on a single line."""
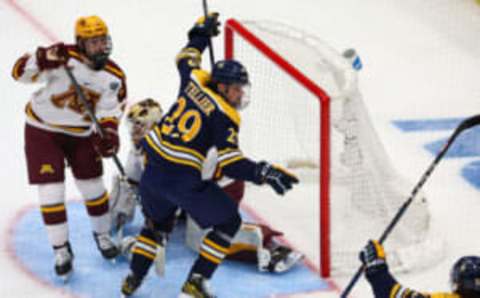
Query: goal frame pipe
{"points": [[233, 26]]}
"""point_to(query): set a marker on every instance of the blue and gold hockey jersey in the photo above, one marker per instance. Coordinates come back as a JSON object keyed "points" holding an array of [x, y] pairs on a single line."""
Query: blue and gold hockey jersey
{"points": [[384, 285], [200, 119]]}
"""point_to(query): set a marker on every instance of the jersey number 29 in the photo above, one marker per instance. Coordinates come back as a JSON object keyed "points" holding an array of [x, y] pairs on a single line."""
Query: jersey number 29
{"points": [[183, 124]]}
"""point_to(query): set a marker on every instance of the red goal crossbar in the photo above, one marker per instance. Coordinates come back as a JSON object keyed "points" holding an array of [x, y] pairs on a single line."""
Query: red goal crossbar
{"points": [[233, 27]]}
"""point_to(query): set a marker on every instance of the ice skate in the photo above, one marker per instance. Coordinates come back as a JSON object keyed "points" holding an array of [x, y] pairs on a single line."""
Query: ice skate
{"points": [[106, 246], [196, 286], [130, 285], [63, 261]]}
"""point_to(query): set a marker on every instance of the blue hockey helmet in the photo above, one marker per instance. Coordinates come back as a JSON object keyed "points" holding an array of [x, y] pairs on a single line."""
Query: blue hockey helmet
{"points": [[465, 276], [229, 72]]}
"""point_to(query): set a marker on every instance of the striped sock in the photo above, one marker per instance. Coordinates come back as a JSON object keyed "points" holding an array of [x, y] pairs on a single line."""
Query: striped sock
{"points": [[213, 250], [143, 253]]}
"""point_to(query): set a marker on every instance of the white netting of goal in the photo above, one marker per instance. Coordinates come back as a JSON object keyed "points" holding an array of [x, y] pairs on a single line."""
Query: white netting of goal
{"points": [[282, 124]]}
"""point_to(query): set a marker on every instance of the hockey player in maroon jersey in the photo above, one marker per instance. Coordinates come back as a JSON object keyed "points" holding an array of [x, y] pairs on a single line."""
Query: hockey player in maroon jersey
{"points": [[58, 131], [254, 243], [464, 276]]}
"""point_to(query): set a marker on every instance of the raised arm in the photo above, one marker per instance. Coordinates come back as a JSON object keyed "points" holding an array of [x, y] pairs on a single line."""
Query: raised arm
{"points": [[190, 57], [30, 67]]}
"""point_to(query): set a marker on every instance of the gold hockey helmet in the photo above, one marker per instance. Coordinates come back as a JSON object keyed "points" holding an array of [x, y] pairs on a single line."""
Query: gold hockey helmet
{"points": [[91, 26], [142, 116], [88, 30]]}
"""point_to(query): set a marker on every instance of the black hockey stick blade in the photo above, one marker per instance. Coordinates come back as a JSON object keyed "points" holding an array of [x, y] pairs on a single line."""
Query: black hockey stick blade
{"points": [[464, 125], [92, 116]]}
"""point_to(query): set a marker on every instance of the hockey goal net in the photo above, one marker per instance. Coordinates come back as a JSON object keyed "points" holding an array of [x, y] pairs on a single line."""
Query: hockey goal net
{"points": [[307, 113]]}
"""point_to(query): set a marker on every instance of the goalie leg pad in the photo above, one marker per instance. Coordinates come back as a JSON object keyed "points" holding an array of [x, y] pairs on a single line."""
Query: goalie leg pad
{"points": [[123, 200]]}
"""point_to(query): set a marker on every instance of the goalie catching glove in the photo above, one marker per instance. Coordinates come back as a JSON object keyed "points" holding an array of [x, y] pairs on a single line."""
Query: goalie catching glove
{"points": [[279, 179]]}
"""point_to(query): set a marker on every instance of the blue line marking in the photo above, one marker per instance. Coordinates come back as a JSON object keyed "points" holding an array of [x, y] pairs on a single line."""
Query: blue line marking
{"points": [[466, 145], [471, 173], [427, 125]]}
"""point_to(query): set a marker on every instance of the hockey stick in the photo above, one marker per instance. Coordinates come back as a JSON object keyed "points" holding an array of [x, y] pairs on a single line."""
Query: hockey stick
{"points": [[122, 219], [92, 116], [464, 125], [210, 45]]}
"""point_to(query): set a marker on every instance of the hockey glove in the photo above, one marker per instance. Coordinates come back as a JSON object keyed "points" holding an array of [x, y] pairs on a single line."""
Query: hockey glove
{"points": [[373, 256], [208, 27], [279, 179], [107, 145], [51, 57]]}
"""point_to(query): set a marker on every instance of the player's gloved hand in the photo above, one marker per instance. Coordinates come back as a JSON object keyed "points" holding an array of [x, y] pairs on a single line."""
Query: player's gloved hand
{"points": [[109, 144], [279, 179], [52, 57], [373, 256], [208, 27]]}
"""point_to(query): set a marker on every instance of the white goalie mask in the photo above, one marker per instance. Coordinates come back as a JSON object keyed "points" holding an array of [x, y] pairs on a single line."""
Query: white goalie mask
{"points": [[141, 118]]}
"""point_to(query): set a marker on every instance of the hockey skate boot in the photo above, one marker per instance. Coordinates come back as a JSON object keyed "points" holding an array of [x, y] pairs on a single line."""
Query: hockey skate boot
{"points": [[63, 260], [107, 248], [196, 286], [278, 259], [130, 284]]}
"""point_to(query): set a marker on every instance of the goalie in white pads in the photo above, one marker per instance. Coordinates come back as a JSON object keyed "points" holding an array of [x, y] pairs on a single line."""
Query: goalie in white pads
{"points": [[254, 243], [124, 195]]}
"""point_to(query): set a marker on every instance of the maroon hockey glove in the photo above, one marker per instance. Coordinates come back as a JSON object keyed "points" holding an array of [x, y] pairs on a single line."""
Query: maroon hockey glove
{"points": [[52, 57], [109, 144]]}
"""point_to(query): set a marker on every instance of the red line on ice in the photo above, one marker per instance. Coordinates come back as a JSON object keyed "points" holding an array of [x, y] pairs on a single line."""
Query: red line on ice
{"points": [[10, 249], [309, 263], [32, 20]]}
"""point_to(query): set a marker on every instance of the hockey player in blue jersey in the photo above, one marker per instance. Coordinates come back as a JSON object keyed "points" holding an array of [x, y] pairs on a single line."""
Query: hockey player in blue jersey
{"points": [[204, 116], [464, 276]]}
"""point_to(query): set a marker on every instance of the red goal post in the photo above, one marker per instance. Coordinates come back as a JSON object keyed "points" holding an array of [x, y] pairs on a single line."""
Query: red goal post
{"points": [[233, 27]]}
